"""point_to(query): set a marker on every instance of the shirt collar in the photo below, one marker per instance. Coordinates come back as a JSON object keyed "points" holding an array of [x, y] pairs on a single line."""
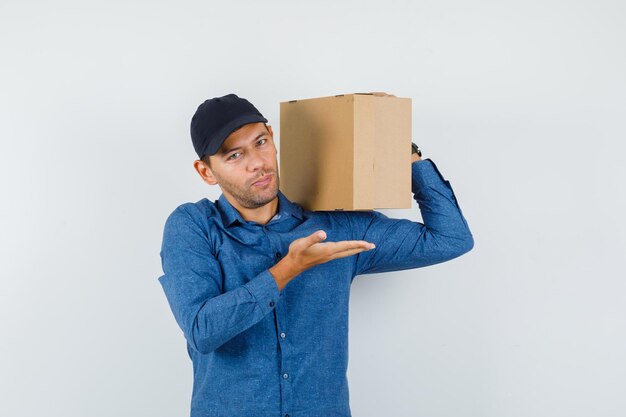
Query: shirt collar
{"points": [[230, 214]]}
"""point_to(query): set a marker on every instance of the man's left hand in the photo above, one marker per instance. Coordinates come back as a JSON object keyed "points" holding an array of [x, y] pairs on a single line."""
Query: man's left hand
{"points": [[381, 94]]}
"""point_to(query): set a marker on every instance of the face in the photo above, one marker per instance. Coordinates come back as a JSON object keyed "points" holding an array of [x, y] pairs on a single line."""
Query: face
{"points": [[246, 156]]}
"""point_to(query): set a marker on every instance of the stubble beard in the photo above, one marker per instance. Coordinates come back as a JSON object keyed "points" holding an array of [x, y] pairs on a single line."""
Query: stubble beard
{"points": [[252, 196]]}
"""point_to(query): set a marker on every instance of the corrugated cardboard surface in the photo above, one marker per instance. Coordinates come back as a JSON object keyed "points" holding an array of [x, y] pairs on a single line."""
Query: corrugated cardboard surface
{"points": [[346, 152]]}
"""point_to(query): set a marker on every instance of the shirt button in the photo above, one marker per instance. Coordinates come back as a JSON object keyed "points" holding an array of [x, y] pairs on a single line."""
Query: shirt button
{"points": [[285, 376], [278, 255], [283, 335], [272, 304]]}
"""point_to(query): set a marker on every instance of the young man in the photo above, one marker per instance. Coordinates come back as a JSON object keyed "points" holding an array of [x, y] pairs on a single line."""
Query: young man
{"points": [[260, 286]]}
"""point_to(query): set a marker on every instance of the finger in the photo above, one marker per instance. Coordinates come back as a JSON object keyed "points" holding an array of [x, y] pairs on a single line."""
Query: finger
{"points": [[348, 252], [365, 246], [334, 253], [381, 94], [347, 244]]}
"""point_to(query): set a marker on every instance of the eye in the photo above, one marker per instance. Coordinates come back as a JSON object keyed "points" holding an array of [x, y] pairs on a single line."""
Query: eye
{"points": [[231, 157], [262, 140]]}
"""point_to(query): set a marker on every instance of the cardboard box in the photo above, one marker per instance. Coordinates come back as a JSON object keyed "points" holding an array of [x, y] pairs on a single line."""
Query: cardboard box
{"points": [[346, 152]]}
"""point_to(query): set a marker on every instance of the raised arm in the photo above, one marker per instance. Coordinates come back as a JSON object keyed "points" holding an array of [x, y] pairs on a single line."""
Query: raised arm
{"points": [[404, 244]]}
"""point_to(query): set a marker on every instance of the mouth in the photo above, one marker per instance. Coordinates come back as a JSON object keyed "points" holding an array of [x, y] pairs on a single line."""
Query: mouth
{"points": [[264, 180]]}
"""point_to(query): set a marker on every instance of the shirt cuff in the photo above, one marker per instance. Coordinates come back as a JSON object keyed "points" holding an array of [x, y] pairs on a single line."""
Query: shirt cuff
{"points": [[264, 290]]}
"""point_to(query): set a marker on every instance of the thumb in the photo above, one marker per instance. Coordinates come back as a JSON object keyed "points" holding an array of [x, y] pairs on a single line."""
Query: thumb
{"points": [[315, 237]]}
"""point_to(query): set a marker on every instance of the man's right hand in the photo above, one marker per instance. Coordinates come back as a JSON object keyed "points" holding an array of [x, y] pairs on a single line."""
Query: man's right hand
{"points": [[306, 252]]}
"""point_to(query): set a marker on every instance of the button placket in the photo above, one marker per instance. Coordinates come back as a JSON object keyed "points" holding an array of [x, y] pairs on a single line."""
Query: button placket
{"points": [[276, 254]]}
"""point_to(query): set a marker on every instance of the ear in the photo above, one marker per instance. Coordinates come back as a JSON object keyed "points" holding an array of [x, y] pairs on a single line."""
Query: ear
{"points": [[205, 172]]}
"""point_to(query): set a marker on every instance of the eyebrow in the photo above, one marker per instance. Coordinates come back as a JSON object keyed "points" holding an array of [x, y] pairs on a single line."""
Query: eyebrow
{"points": [[239, 147]]}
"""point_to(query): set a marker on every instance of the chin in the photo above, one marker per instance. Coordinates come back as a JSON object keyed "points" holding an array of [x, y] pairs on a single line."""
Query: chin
{"points": [[261, 200], [270, 197]]}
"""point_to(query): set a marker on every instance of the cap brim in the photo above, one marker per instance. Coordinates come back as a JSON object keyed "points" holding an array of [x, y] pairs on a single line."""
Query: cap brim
{"points": [[220, 137]]}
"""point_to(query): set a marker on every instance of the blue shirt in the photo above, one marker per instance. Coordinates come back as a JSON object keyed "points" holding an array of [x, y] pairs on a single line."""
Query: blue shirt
{"points": [[260, 352]]}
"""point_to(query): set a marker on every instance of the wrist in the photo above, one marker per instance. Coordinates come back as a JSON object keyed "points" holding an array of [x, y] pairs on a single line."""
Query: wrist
{"points": [[416, 153], [283, 272]]}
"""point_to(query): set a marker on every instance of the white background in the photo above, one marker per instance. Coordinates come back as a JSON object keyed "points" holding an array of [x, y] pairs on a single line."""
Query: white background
{"points": [[521, 105]]}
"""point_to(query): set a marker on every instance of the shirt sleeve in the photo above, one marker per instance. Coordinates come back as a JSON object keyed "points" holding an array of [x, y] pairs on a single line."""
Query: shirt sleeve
{"points": [[404, 244], [192, 281]]}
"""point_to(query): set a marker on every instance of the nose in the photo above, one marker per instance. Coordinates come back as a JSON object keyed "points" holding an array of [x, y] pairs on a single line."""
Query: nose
{"points": [[255, 160]]}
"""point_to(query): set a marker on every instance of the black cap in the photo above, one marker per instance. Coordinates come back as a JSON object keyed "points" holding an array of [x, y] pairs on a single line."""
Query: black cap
{"points": [[217, 118]]}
